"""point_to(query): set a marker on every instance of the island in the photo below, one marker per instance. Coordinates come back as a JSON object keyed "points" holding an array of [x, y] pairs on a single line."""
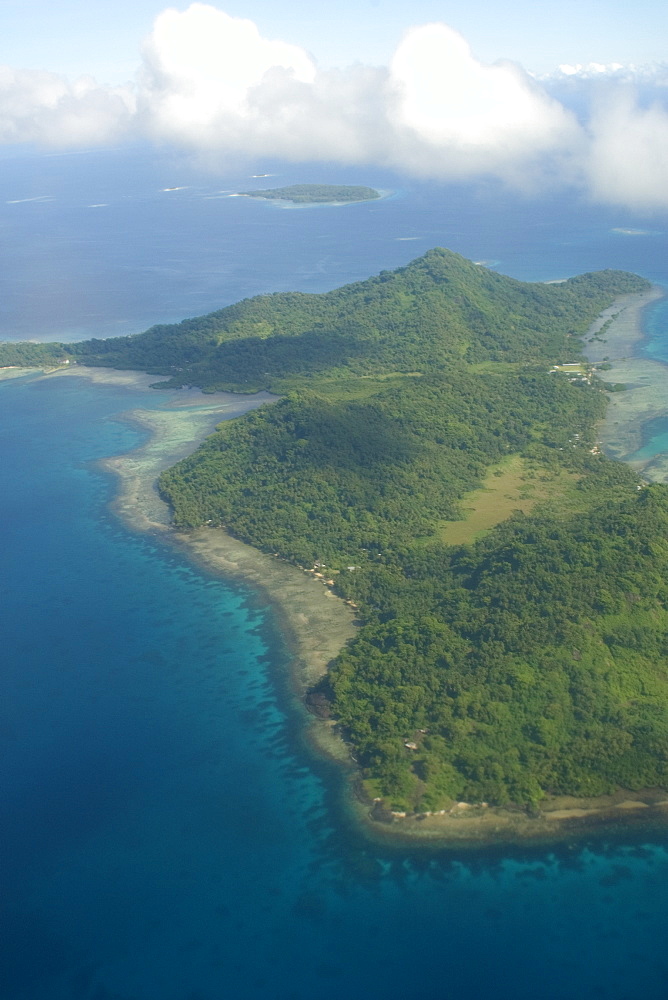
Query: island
{"points": [[316, 194], [433, 461]]}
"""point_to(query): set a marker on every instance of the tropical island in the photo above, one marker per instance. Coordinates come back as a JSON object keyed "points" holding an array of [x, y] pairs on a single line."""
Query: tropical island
{"points": [[316, 194], [433, 460]]}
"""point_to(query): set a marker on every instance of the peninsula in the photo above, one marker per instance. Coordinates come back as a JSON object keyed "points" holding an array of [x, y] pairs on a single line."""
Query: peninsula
{"points": [[433, 461], [316, 194]]}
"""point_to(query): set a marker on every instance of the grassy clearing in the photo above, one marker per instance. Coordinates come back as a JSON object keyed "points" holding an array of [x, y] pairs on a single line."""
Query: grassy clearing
{"points": [[348, 387], [514, 484]]}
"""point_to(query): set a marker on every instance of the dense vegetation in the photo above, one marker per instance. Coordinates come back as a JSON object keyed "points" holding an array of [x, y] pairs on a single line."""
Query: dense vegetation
{"points": [[23, 354], [308, 194], [316, 478], [531, 659], [439, 310]]}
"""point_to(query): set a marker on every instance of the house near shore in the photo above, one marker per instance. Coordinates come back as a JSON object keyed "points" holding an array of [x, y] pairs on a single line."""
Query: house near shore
{"points": [[576, 371], [569, 368]]}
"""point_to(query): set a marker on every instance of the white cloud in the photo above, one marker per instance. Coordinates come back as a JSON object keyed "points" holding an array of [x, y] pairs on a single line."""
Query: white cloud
{"points": [[43, 107], [593, 70], [212, 81], [200, 66], [213, 84], [448, 97], [628, 151], [467, 116]]}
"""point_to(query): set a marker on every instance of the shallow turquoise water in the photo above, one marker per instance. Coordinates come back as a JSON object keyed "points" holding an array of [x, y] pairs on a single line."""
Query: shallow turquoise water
{"points": [[165, 835], [655, 434]]}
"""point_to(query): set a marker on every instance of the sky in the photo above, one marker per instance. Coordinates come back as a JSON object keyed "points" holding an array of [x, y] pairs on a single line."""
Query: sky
{"points": [[573, 94], [103, 37]]}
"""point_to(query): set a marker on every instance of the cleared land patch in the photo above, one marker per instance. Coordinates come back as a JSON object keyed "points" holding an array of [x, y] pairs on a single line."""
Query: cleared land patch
{"points": [[514, 484]]}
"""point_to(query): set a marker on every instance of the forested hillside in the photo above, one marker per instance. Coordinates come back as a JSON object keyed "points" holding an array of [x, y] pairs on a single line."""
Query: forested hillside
{"points": [[319, 478], [423, 317], [531, 661], [531, 657], [534, 661]]}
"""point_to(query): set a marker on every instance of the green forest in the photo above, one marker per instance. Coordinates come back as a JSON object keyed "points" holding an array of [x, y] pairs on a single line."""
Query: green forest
{"points": [[529, 656], [438, 311], [311, 194]]}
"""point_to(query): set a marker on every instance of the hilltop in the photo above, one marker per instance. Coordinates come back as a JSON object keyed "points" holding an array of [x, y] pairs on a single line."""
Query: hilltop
{"points": [[509, 579], [439, 310]]}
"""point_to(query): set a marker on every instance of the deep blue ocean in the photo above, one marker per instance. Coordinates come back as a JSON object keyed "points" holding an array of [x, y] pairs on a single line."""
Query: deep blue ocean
{"points": [[165, 834]]}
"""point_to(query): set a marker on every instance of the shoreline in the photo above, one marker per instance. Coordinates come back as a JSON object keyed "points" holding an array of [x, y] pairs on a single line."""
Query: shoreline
{"points": [[646, 395], [315, 624], [561, 818], [558, 819]]}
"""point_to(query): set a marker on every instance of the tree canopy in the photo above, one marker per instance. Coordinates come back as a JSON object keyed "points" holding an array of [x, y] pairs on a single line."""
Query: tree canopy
{"points": [[531, 657], [308, 194]]}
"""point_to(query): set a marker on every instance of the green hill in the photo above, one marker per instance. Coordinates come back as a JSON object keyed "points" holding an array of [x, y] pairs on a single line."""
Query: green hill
{"points": [[439, 310], [530, 659]]}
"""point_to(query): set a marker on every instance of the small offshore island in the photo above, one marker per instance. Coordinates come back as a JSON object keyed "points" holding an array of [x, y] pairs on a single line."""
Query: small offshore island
{"points": [[433, 462], [316, 194]]}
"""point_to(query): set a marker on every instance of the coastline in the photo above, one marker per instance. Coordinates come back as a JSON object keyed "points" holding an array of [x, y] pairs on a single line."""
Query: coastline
{"points": [[560, 818], [646, 395], [477, 826], [13, 371], [315, 624]]}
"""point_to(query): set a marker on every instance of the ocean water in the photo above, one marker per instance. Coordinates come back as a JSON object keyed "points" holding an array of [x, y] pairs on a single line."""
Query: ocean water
{"points": [[165, 834]]}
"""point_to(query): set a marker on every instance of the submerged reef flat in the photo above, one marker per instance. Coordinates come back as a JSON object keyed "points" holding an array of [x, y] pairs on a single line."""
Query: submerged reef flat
{"points": [[559, 818], [617, 331], [103, 376], [314, 623], [645, 396], [12, 371], [415, 793]]}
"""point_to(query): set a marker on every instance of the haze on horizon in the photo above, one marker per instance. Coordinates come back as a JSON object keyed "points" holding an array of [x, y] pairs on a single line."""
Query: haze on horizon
{"points": [[539, 101]]}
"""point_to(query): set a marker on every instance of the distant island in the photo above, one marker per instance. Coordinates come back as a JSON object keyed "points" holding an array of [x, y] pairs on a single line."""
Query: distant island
{"points": [[433, 460], [316, 194]]}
